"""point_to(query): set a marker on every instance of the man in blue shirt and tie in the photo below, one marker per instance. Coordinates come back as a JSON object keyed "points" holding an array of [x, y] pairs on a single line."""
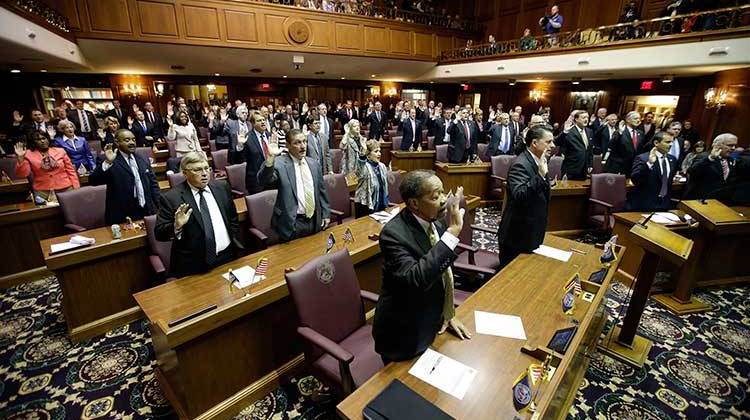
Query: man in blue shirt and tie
{"points": [[501, 137]]}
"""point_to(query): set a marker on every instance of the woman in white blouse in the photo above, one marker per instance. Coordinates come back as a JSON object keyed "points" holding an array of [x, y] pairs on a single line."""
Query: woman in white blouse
{"points": [[184, 133]]}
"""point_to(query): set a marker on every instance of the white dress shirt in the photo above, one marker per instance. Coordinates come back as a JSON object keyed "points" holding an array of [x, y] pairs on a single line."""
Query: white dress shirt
{"points": [[221, 234], [449, 239], [299, 166], [662, 160]]}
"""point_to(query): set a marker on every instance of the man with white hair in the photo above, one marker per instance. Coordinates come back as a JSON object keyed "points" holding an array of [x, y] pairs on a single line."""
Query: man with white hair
{"points": [[713, 176], [599, 120], [623, 149], [326, 124]]}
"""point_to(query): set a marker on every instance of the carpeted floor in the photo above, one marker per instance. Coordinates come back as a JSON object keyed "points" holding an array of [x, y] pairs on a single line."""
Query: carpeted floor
{"points": [[699, 367]]}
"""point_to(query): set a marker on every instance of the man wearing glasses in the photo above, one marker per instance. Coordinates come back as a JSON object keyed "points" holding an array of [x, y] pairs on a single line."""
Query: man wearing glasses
{"points": [[200, 219]]}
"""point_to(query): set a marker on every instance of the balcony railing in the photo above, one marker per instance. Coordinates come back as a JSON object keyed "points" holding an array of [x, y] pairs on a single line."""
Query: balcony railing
{"points": [[693, 24], [40, 13], [366, 8]]}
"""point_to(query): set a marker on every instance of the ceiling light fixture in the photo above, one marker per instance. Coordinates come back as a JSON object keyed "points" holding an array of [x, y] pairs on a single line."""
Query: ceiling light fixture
{"points": [[342, 77], [667, 78], [43, 70], [217, 74], [576, 81], [373, 75], [512, 82], [284, 76], [15, 71]]}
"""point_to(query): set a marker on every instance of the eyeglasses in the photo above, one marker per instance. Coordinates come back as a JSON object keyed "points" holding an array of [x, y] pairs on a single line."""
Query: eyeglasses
{"points": [[199, 170]]}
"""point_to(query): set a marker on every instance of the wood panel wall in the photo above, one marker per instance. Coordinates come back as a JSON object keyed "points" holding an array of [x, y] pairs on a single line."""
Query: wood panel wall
{"points": [[254, 26]]}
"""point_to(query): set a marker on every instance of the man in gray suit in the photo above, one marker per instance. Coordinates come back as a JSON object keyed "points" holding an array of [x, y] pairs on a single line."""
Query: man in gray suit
{"points": [[301, 207], [317, 148]]}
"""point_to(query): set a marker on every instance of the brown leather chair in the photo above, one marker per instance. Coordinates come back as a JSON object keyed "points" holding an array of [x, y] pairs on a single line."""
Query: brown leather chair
{"points": [[8, 165], [236, 178], [396, 142], [160, 250], [212, 146], [338, 198], [554, 167], [499, 165], [441, 153], [394, 182], [482, 152], [608, 195], [339, 342], [83, 208], [596, 165], [145, 152], [430, 142], [172, 147], [221, 160], [337, 155], [175, 179], [204, 133], [259, 212]]}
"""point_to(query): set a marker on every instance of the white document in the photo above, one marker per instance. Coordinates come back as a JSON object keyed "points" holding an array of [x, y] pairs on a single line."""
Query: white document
{"points": [[444, 373], [385, 216], [554, 253], [62, 247], [245, 276], [81, 240], [664, 218], [509, 326]]}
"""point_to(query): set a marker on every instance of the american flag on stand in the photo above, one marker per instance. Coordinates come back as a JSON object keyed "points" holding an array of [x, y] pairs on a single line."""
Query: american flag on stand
{"points": [[262, 267], [348, 236], [536, 372], [331, 242]]}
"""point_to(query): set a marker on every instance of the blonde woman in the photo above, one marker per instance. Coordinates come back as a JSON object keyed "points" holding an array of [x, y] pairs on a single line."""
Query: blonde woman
{"points": [[372, 175], [351, 145]]}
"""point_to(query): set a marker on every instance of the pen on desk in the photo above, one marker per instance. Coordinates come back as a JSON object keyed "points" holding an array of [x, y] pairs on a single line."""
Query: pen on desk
{"points": [[578, 251], [437, 362]]}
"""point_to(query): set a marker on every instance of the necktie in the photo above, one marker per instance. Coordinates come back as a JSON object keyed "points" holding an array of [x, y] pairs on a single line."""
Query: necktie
{"points": [[151, 117], [585, 137], [349, 114], [143, 125], [38, 127], [449, 310], [264, 146], [84, 121], [468, 139], [725, 168], [119, 114], [664, 177], [377, 114], [208, 229], [307, 184], [634, 136], [138, 193], [505, 139]]}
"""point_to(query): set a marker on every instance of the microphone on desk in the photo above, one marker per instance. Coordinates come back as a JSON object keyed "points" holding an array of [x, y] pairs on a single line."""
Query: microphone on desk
{"points": [[647, 219]]}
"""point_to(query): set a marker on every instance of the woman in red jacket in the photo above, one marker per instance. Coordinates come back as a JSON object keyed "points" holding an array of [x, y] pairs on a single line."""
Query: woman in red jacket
{"points": [[50, 166]]}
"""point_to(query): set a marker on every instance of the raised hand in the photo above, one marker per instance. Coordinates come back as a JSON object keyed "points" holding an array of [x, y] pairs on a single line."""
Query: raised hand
{"points": [[182, 215], [223, 114], [135, 108], [100, 133], [170, 121], [211, 116], [652, 156], [715, 152], [110, 153], [20, 150], [17, 117], [454, 212], [170, 109], [273, 148], [130, 120], [543, 168]]}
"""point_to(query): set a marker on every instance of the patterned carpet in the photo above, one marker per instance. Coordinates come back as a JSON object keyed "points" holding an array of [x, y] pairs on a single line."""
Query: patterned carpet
{"points": [[698, 368]]}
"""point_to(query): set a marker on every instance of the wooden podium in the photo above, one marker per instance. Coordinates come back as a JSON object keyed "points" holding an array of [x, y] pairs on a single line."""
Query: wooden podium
{"points": [[715, 220], [657, 242]]}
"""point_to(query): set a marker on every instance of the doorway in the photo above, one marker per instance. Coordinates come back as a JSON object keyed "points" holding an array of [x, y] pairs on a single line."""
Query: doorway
{"points": [[663, 107]]}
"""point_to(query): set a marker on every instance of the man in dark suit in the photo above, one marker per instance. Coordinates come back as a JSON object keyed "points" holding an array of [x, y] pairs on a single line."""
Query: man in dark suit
{"points": [[144, 131], [715, 175], [301, 207], [622, 150], [411, 131], [606, 133], [345, 114], [652, 176], [502, 137], [524, 218], [463, 143], [416, 298], [678, 149], [19, 129], [251, 144], [577, 148], [648, 128], [154, 118], [516, 124], [377, 122], [132, 190], [119, 113], [439, 124], [200, 219], [85, 121], [599, 120]]}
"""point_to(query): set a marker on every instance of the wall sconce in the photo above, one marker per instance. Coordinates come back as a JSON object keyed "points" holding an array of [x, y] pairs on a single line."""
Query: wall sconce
{"points": [[132, 89], [374, 90], [211, 88], [159, 89], [536, 95], [716, 98], [391, 92]]}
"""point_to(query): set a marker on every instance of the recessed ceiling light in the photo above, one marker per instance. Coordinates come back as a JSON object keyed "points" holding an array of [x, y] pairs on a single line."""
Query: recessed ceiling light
{"points": [[15, 71], [43, 70], [373, 75], [431, 82], [284, 76], [217, 74], [512, 82], [342, 77], [667, 78]]}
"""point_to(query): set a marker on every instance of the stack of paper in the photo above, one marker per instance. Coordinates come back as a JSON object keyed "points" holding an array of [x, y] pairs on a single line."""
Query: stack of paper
{"points": [[664, 218], [245, 276], [76, 241], [509, 326], [385, 216], [444, 373], [554, 253]]}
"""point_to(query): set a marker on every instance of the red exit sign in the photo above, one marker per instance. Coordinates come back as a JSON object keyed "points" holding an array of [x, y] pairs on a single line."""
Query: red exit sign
{"points": [[647, 85]]}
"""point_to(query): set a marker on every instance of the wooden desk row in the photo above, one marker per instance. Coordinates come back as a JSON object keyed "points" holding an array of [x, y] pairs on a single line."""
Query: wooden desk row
{"points": [[530, 287]]}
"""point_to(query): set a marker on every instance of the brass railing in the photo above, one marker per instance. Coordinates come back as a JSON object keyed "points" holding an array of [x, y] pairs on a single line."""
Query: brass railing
{"points": [[40, 12], [366, 8], [643, 30]]}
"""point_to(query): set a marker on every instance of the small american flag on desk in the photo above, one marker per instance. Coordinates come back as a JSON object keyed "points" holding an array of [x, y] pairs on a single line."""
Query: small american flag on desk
{"points": [[262, 267], [331, 242], [348, 236]]}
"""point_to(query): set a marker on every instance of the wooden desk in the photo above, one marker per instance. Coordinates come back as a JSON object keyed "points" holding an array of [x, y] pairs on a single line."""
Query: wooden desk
{"points": [[532, 288], [98, 281], [409, 161], [17, 191], [386, 151], [216, 364], [20, 231], [473, 177]]}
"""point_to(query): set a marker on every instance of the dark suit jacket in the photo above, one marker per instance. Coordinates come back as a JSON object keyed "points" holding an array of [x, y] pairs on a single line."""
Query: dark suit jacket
{"points": [[188, 254], [252, 153], [602, 140], [123, 118], [645, 195], [157, 124], [622, 153], [342, 116], [595, 124], [496, 133], [647, 136], [457, 145], [438, 130], [281, 176], [578, 157], [376, 127], [410, 138], [706, 180], [121, 201], [409, 312], [93, 125], [140, 134], [524, 220]]}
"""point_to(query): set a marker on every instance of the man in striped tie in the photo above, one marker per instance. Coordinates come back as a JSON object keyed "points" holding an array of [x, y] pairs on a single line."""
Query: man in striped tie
{"points": [[301, 206]]}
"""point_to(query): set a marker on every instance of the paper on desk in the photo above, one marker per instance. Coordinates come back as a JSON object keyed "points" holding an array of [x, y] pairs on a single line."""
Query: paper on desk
{"points": [[385, 216], [489, 323], [444, 373], [81, 240], [664, 218], [557, 254], [62, 247], [245, 275]]}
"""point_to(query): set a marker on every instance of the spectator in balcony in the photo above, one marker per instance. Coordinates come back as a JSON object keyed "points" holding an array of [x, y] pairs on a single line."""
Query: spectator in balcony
{"points": [[469, 49], [630, 14], [527, 42], [551, 24], [494, 48]]}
